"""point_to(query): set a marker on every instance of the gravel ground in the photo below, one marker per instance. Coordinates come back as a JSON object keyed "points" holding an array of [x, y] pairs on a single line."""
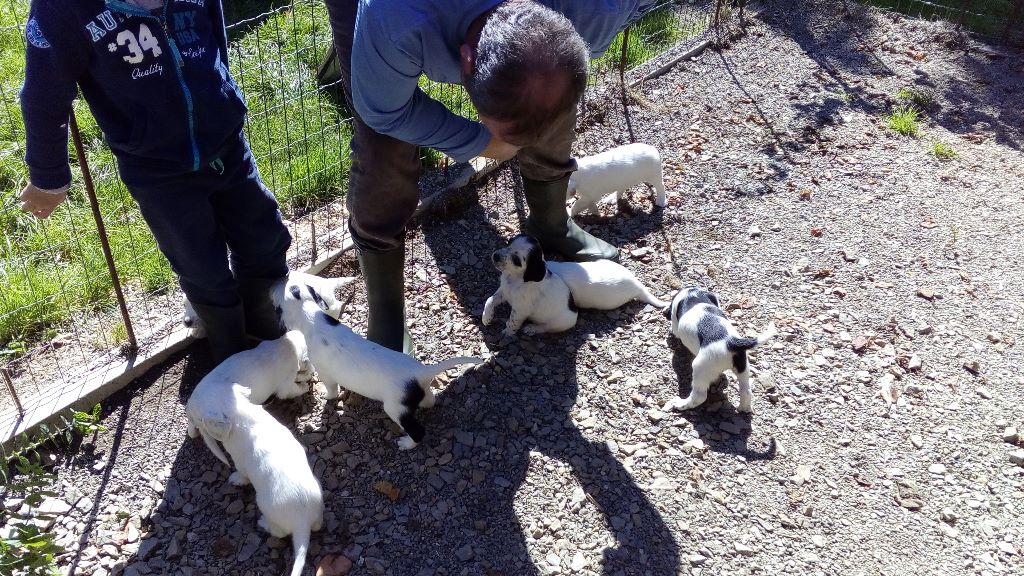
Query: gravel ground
{"points": [[882, 439]]}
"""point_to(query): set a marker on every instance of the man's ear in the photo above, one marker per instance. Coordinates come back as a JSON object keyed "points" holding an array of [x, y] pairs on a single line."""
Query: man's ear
{"points": [[467, 59]]}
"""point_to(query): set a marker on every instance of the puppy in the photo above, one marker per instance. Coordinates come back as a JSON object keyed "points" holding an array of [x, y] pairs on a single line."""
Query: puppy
{"points": [[702, 327], [615, 171], [531, 290], [270, 369], [603, 284], [272, 460], [344, 359]]}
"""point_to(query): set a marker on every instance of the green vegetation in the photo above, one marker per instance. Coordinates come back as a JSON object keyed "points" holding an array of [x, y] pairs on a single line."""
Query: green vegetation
{"points": [[648, 37], [919, 98], [943, 151], [984, 17], [903, 120]]}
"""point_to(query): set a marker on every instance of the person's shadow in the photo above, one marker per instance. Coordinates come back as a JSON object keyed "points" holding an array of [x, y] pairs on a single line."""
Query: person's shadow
{"points": [[521, 402]]}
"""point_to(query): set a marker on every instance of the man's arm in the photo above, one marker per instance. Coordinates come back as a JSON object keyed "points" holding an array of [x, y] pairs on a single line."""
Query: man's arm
{"points": [[385, 92]]}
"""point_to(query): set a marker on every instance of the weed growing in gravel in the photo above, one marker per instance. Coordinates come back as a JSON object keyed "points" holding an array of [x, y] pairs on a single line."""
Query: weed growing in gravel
{"points": [[917, 97], [904, 120], [943, 151]]}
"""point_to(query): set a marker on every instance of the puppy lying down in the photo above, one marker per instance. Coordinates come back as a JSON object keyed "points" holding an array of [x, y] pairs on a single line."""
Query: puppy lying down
{"points": [[269, 369], [344, 359], [699, 323], [613, 172], [548, 293], [267, 455]]}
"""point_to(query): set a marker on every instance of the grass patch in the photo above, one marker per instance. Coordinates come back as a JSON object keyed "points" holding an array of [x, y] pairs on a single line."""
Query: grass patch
{"points": [[919, 98], [904, 120], [943, 151], [648, 37], [984, 17]]}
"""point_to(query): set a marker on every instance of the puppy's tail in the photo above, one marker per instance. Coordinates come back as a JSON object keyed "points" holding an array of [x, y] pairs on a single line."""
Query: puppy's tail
{"points": [[430, 371], [651, 299], [212, 445], [300, 543], [734, 344]]}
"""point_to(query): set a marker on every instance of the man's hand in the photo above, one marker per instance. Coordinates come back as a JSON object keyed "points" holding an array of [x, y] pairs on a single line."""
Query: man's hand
{"points": [[499, 150], [40, 202]]}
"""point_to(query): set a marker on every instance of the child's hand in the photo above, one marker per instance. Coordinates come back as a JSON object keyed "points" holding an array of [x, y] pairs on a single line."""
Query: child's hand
{"points": [[40, 202]]}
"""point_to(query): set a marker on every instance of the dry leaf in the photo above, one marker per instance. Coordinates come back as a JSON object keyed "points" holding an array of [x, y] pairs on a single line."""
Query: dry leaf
{"points": [[334, 566], [890, 392], [928, 224], [860, 343], [823, 273], [387, 489], [805, 194], [817, 231]]}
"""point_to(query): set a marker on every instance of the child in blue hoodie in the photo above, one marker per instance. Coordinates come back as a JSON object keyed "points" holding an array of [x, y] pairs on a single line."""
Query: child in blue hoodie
{"points": [[155, 76]]}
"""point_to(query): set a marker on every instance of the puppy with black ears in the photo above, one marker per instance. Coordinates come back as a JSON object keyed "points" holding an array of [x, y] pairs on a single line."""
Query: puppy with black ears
{"points": [[531, 290], [700, 324], [343, 359]]}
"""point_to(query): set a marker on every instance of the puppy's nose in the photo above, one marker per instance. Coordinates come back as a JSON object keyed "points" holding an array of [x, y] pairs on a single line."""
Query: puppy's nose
{"points": [[495, 257]]}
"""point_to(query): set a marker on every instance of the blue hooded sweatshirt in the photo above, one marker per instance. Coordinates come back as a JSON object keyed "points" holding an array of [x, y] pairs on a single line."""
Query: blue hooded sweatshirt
{"points": [[156, 82], [397, 40]]}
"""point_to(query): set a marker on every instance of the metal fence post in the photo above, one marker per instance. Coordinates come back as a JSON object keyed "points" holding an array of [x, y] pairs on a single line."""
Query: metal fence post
{"points": [[101, 230]]}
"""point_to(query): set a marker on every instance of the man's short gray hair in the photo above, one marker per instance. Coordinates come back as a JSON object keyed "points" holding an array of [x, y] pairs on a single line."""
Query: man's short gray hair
{"points": [[525, 53]]}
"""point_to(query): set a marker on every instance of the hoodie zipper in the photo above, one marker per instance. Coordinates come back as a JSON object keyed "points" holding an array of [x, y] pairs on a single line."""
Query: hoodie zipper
{"points": [[179, 63]]}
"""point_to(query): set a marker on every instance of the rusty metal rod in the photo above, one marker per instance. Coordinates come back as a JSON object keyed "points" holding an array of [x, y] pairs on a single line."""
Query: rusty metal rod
{"points": [[10, 386], [101, 230]]}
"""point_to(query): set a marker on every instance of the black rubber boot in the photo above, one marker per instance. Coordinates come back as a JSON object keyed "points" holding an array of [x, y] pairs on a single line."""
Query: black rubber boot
{"points": [[261, 319], [550, 224], [384, 276], [225, 329]]}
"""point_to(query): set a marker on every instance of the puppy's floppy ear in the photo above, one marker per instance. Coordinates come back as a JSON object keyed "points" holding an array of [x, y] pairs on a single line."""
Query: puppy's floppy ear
{"points": [[317, 298], [535, 267], [295, 292]]}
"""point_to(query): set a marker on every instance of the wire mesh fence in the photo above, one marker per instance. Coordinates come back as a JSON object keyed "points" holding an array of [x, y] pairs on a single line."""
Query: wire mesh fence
{"points": [[59, 319], [996, 20]]}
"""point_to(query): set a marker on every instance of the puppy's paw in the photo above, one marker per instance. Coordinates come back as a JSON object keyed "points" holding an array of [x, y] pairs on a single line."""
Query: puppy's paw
{"points": [[508, 333], [333, 391], [406, 443], [486, 318], [679, 404], [238, 479], [745, 407], [192, 431]]}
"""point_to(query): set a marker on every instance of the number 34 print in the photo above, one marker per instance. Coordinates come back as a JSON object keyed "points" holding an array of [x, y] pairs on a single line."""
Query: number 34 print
{"points": [[137, 45]]}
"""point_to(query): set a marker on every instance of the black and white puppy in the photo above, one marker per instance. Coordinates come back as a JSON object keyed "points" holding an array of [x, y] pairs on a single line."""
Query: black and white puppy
{"points": [[344, 359], [603, 284], [701, 325], [532, 291]]}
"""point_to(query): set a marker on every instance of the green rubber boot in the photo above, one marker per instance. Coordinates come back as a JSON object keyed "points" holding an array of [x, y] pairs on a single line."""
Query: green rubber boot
{"points": [[384, 276], [225, 329], [261, 319], [551, 225]]}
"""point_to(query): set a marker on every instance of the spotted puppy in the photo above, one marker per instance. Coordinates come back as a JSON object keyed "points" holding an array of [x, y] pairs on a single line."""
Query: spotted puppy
{"points": [[343, 359], [701, 325], [532, 291]]}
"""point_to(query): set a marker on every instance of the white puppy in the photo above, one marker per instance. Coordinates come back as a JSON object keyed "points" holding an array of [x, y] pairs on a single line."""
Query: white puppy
{"points": [[603, 284], [269, 369], [531, 290], [615, 171], [344, 359], [268, 456], [702, 327]]}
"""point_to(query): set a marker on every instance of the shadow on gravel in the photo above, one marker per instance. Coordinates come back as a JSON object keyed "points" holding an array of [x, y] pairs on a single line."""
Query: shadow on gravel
{"points": [[716, 421], [514, 413], [980, 95]]}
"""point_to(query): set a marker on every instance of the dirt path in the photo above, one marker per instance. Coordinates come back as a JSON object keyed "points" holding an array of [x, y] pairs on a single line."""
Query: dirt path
{"points": [[881, 265]]}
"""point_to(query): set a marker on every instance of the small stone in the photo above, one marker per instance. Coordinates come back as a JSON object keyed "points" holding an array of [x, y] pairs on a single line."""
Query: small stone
{"points": [[948, 516], [743, 549], [754, 232], [984, 392], [925, 329], [235, 507], [995, 337], [849, 255], [694, 445], [147, 547], [914, 363], [252, 544], [818, 541], [937, 469], [579, 562], [949, 530], [1017, 457], [464, 554], [696, 559], [376, 565], [973, 366], [917, 440], [208, 477], [553, 559], [1010, 435], [54, 507]]}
